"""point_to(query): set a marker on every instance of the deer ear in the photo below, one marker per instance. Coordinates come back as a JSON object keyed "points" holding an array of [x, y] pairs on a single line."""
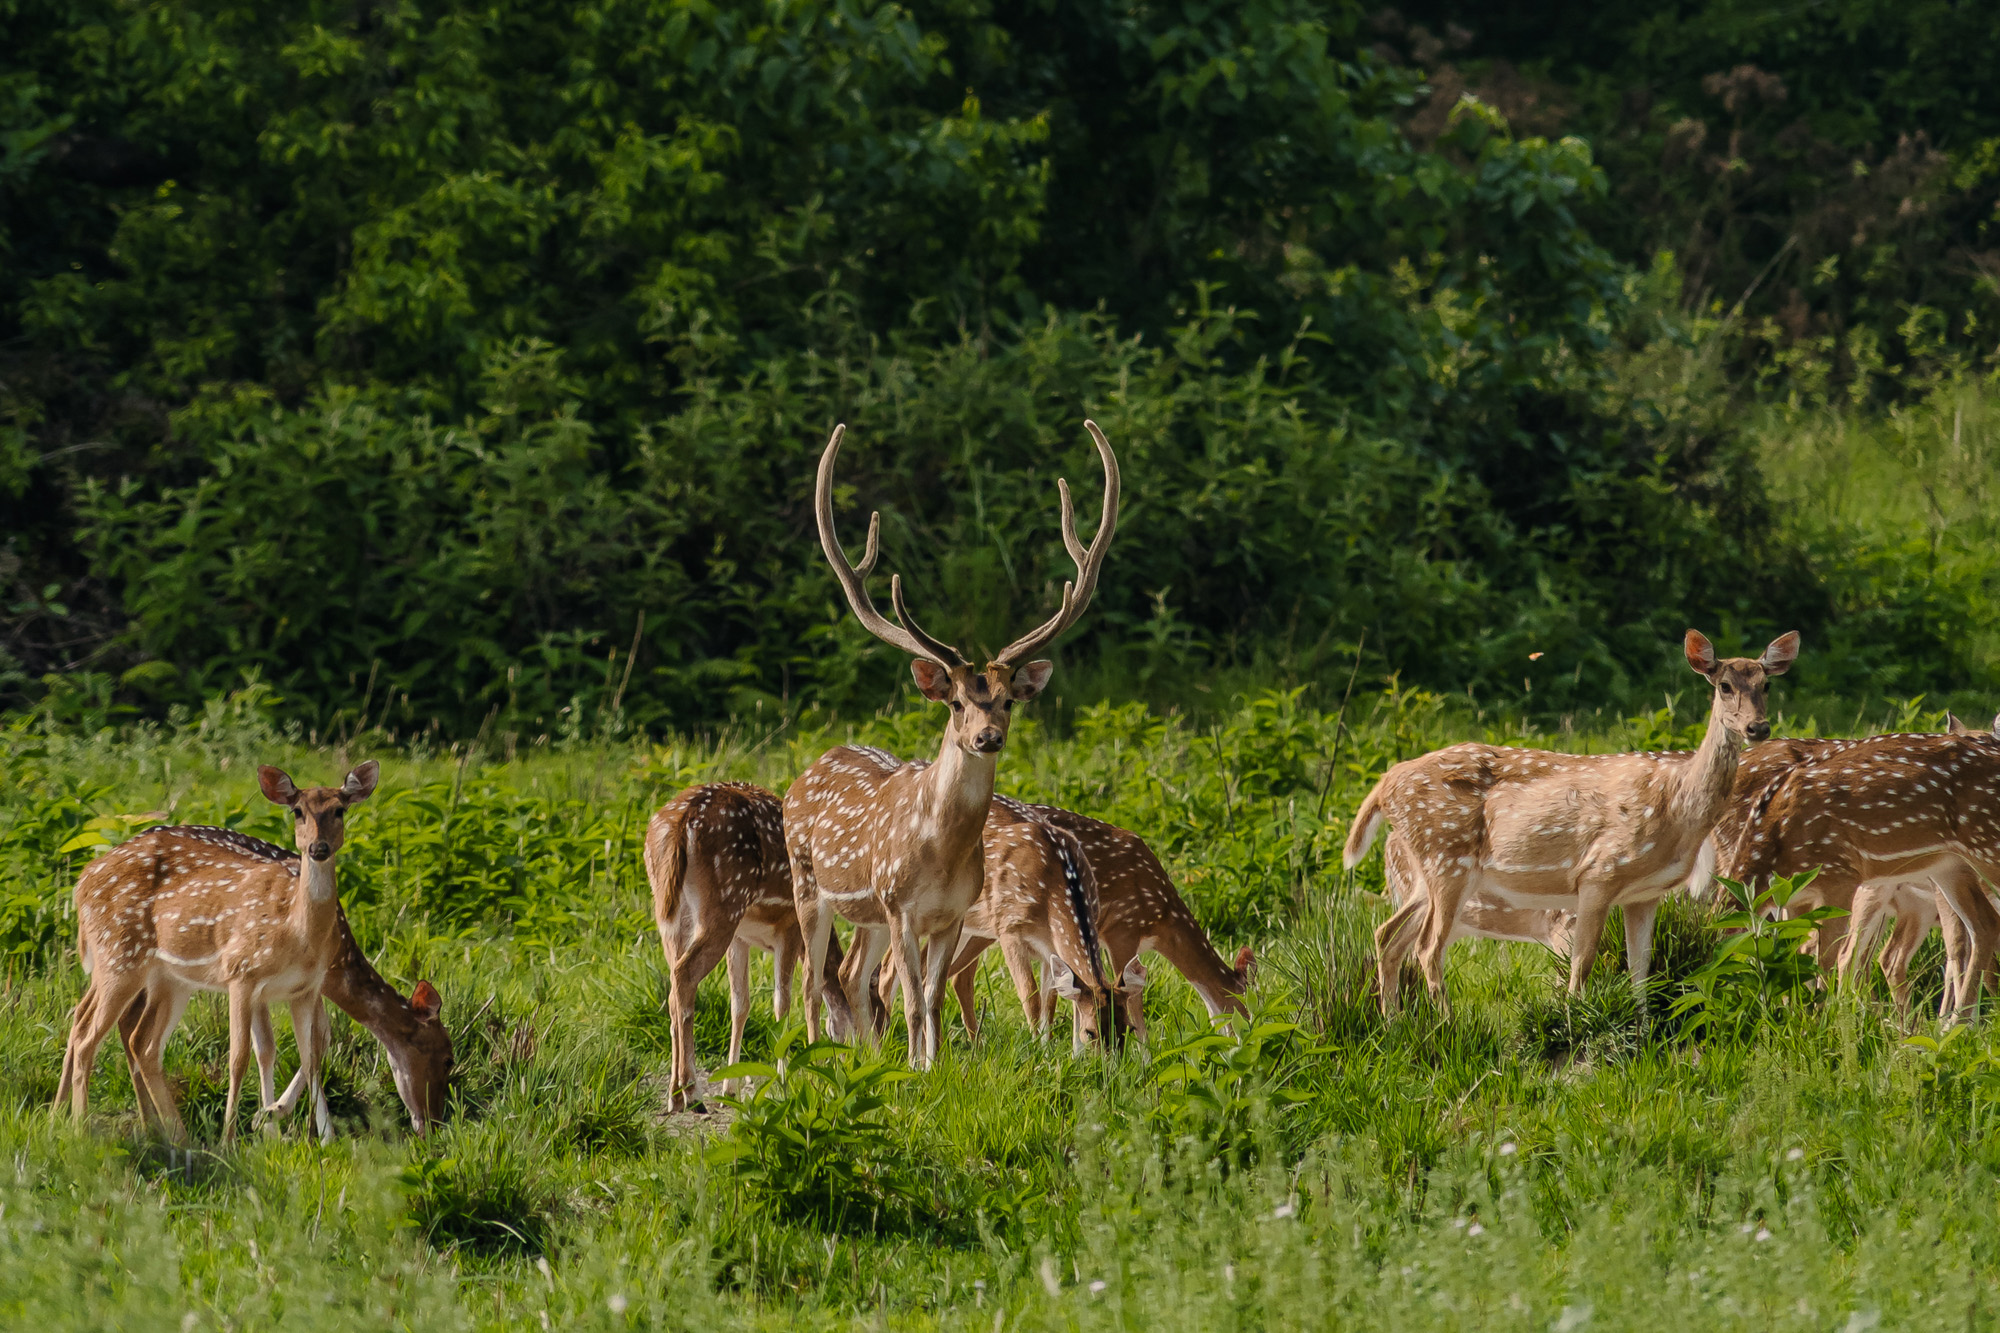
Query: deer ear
{"points": [[1954, 727], [426, 1001], [361, 781], [1778, 658], [932, 679], [1700, 653], [1031, 680], [277, 786]]}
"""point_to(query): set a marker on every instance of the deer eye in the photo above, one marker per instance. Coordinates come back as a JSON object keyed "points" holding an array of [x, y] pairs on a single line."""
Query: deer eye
{"points": [[1727, 688], [957, 707]]}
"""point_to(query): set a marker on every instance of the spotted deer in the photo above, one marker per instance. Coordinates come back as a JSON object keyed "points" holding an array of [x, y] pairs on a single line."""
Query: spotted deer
{"points": [[715, 856], [411, 1032], [1040, 906], [176, 911], [1890, 816], [894, 847], [1541, 830], [1479, 918]]}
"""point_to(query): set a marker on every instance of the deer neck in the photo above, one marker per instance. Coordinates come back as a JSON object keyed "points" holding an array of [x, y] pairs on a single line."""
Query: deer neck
{"points": [[318, 901], [1702, 786], [959, 792], [354, 984]]}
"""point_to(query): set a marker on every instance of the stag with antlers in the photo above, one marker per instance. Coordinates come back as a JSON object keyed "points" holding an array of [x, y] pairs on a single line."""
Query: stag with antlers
{"points": [[896, 848], [1539, 830], [180, 910]]}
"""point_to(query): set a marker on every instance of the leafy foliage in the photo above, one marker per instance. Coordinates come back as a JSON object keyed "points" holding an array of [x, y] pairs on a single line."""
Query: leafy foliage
{"points": [[1762, 970]]}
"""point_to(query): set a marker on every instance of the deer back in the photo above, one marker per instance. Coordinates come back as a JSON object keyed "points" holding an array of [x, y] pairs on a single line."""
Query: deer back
{"points": [[209, 903]]}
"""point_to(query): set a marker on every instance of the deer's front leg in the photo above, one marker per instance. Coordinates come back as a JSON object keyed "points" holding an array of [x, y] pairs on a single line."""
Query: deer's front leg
{"points": [[242, 1014], [815, 928], [1639, 920], [264, 1046], [1593, 909], [943, 949], [739, 1005]]}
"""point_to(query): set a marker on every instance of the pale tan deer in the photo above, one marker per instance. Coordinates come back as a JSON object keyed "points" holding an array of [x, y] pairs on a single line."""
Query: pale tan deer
{"points": [[1479, 918], [1886, 813], [176, 911], [1543, 830], [716, 858], [895, 847]]}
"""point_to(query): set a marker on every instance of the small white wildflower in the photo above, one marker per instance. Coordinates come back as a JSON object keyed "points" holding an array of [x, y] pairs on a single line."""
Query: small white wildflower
{"points": [[1763, 1233], [1795, 1154], [1096, 1288], [1229, 1272], [1475, 1230], [1281, 1212], [616, 1302], [979, 1284], [1458, 1223], [1508, 1150], [1747, 1228], [188, 1321], [542, 1267], [1050, 1282]]}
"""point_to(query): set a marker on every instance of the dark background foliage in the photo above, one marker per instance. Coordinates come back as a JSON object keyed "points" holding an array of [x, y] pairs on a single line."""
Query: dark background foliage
{"points": [[407, 354]]}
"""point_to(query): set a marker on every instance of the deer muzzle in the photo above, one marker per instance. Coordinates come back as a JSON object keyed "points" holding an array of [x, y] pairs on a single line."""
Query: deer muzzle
{"points": [[1758, 731], [320, 851], [989, 740]]}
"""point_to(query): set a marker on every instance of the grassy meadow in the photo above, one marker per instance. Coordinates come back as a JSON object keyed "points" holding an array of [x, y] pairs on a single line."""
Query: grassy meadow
{"points": [[1532, 1164]]}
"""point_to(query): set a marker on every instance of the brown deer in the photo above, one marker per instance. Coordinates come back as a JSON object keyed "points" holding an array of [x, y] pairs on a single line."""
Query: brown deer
{"points": [[1882, 813], [1479, 918], [1543, 830], [895, 848], [175, 911], [721, 883]]}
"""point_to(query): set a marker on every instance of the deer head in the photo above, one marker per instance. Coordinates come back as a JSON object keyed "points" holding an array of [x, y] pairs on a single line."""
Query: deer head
{"points": [[1742, 685], [1957, 726], [317, 812], [981, 699], [422, 1063]]}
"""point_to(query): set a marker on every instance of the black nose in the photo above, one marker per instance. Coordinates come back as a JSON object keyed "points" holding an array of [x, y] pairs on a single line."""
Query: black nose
{"points": [[1758, 731], [319, 851], [989, 741]]}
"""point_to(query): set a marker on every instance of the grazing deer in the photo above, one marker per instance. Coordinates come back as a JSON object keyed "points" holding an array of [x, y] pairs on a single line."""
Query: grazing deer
{"points": [[896, 848], [175, 911], [1479, 918], [1581, 833], [721, 883], [410, 1030], [1878, 814]]}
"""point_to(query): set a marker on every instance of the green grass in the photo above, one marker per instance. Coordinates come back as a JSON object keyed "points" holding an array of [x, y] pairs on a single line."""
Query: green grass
{"points": [[1534, 1164]]}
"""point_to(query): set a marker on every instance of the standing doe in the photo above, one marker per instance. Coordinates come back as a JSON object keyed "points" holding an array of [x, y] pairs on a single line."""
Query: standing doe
{"points": [[1541, 830], [180, 910], [895, 847]]}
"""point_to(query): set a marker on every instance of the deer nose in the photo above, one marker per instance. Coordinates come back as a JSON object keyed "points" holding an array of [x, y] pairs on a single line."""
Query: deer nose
{"points": [[989, 741], [320, 851], [1758, 731]]}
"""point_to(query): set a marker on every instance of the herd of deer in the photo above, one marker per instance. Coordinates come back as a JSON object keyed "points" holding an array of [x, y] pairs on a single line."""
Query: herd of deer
{"points": [[930, 867]]}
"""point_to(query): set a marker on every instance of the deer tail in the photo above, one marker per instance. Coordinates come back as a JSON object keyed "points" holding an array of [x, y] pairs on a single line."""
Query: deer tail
{"points": [[1367, 823], [666, 858], [1080, 890]]}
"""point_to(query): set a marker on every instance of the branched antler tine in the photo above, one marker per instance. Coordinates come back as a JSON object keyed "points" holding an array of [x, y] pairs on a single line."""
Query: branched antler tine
{"points": [[851, 579], [1088, 560], [936, 649]]}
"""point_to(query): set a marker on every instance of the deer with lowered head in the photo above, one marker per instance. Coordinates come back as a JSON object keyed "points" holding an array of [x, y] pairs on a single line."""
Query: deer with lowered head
{"points": [[896, 848], [1540, 830], [180, 910], [1889, 821]]}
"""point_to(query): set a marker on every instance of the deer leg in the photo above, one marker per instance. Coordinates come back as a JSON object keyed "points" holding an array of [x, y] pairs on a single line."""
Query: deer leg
{"points": [[153, 1020], [241, 1014], [1957, 949], [739, 1004], [105, 1005], [816, 929], [1036, 1006], [310, 1031], [869, 995], [1592, 909], [1446, 888], [964, 972], [784, 970], [909, 975], [79, 1018], [711, 941], [1911, 928], [1870, 906], [1639, 919], [1394, 939], [264, 1048], [943, 950]]}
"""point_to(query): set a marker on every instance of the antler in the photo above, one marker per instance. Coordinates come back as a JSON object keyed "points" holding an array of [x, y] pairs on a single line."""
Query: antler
{"points": [[1075, 597], [906, 634]]}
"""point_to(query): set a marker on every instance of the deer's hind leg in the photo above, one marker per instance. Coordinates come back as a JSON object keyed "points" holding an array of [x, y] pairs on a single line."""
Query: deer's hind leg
{"points": [[104, 1003], [1871, 907], [147, 1024]]}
